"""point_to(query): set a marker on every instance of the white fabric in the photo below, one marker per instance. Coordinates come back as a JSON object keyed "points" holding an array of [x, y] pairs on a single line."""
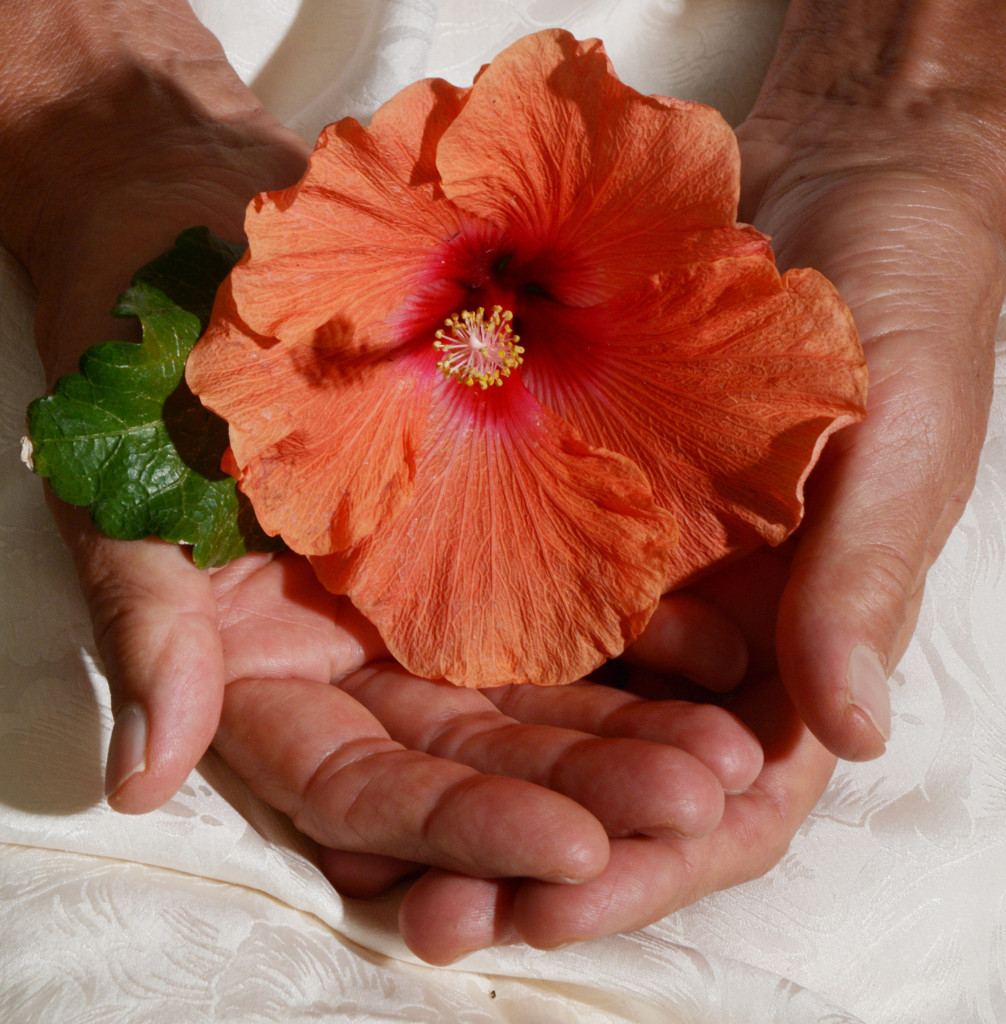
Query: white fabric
{"points": [[890, 907]]}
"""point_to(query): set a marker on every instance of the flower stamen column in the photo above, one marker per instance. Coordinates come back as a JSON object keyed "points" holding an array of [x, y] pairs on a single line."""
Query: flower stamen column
{"points": [[477, 350]]}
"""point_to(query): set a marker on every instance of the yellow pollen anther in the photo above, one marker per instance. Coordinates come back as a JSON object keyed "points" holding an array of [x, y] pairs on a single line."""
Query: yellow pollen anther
{"points": [[477, 350]]}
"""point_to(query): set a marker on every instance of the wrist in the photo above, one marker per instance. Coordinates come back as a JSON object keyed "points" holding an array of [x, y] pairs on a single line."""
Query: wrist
{"points": [[103, 103], [121, 124], [911, 86]]}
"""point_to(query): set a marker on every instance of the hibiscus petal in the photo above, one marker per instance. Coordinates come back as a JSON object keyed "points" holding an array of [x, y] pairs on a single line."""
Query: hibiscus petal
{"points": [[323, 445], [330, 258], [524, 555], [721, 380], [605, 182]]}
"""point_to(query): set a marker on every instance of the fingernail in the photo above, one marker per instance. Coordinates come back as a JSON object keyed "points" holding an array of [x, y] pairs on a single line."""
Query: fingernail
{"points": [[866, 685], [127, 749]]}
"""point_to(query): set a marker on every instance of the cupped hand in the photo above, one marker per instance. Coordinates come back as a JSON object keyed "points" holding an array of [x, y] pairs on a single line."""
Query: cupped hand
{"points": [[386, 763], [390, 773], [547, 815], [445, 915], [894, 210]]}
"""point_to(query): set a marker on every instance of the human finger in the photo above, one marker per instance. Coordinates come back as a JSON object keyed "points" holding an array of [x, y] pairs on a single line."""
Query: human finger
{"points": [[445, 916], [889, 490], [850, 607], [718, 739], [335, 771], [646, 877], [692, 638], [276, 617], [154, 619], [708, 733], [628, 784], [363, 875]]}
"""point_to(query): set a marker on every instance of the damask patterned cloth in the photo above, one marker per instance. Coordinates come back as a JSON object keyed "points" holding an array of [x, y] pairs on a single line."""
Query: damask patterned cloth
{"points": [[889, 908]]}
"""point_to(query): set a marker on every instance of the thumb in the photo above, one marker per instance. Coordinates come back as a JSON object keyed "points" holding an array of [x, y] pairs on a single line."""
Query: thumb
{"points": [[155, 624], [923, 277], [882, 507]]}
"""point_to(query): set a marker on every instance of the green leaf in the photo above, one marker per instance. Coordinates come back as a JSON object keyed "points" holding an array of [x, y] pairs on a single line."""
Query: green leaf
{"points": [[127, 438], [188, 274]]}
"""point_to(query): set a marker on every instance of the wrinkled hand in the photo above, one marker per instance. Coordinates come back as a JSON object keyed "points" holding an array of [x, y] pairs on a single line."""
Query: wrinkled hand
{"points": [[390, 773], [548, 815], [896, 211], [507, 796]]}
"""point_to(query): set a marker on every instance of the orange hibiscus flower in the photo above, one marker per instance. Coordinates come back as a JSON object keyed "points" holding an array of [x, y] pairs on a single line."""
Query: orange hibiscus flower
{"points": [[504, 366]]}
